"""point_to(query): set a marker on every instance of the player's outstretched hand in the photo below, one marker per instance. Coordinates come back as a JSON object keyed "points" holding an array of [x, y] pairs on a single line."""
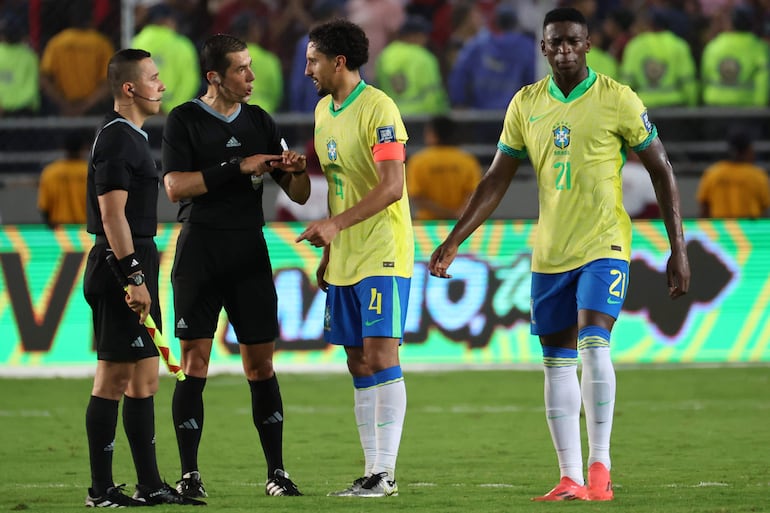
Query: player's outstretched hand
{"points": [[441, 259], [319, 233]]}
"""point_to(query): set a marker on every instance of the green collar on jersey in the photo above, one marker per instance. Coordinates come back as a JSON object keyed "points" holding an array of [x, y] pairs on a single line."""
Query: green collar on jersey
{"points": [[350, 99], [576, 93]]}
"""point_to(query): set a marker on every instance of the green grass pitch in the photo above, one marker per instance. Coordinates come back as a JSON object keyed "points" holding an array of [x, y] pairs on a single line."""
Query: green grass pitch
{"points": [[685, 440]]}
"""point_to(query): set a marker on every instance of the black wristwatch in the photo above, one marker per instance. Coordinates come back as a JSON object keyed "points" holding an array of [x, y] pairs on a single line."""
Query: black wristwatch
{"points": [[136, 279]]}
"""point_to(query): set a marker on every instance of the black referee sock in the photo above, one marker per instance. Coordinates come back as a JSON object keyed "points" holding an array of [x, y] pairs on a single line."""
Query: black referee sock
{"points": [[187, 411], [267, 412], [139, 424], [101, 421]]}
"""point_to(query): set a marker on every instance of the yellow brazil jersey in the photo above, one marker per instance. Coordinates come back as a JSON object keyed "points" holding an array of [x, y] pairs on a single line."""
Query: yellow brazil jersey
{"points": [[345, 140], [575, 144]]}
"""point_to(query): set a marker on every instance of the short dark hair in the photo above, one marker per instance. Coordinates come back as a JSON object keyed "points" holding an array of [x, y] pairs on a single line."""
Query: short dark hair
{"points": [[623, 17], [214, 53], [74, 142], [124, 67], [564, 14], [342, 37], [743, 18], [444, 128], [738, 141]]}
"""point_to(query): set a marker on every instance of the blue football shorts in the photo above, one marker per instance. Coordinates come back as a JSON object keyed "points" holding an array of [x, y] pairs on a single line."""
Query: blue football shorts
{"points": [[600, 285], [374, 307]]}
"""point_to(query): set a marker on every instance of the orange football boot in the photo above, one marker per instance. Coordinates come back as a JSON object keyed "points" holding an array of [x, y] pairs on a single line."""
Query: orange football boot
{"points": [[566, 490], [599, 483]]}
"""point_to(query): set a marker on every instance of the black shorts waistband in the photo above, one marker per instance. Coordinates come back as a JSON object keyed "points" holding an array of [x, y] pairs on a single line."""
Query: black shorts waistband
{"points": [[102, 239]]}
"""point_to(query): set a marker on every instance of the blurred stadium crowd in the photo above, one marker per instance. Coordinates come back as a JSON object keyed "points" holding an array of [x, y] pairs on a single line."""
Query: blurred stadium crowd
{"points": [[431, 56]]}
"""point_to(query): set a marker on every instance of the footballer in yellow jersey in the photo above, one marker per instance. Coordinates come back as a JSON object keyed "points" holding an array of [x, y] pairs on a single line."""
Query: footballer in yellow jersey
{"points": [[366, 266], [579, 168], [348, 141], [574, 126]]}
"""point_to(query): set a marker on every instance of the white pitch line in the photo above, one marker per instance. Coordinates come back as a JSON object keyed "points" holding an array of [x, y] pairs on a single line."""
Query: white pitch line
{"points": [[25, 413], [702, 484]]}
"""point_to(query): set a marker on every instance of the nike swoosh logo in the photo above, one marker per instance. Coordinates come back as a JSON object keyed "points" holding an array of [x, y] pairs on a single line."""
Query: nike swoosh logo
{"points": [[318, 130], [383, 424], [613, 301], [556, 416], [369, 323], [602, 403], [532, 119]]}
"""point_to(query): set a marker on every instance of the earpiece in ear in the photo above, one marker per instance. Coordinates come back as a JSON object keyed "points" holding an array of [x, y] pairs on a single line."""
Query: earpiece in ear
{"points": [[216, 80]]}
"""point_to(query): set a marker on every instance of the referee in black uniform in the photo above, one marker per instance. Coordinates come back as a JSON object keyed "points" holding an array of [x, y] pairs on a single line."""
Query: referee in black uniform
{"points": [[216, 151], [122, 213]]}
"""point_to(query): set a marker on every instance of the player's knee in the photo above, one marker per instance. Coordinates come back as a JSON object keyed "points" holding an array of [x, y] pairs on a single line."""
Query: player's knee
{"points": [[358, 365]]}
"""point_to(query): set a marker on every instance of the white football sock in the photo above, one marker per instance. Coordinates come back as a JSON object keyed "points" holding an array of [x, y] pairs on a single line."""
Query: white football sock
{"points": [[364, 408], [598, 389], [389, 413], [562, 410]]}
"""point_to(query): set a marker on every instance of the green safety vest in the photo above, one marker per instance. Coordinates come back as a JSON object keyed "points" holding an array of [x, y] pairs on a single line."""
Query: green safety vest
{"points": [[268, 78], [410, 75], [660, 68], [177, 61], [734, 70]]}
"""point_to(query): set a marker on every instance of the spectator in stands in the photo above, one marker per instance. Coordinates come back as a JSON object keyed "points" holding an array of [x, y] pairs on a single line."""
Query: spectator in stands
{"points": [[441, 177], [466, 20], [658, 65], [19, 73], [597, 58], [267, 87], [225, 15], [734, 65], [287, 20], [735, 187], [174, 54], [61, 195], [317, 205], [493, 66], [617, 29], [303, 95], [439, 14], [380, 20], [530, 14], [73, 69], [409, 72], [639, 198]]}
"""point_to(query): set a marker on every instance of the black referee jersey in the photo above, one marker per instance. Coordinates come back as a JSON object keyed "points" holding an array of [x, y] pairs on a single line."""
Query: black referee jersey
{"points": [[121, 160], [197, 137]]}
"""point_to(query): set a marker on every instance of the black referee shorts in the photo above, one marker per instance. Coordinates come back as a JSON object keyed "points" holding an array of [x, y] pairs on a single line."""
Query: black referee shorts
{"points": [[119, 336], [224, 268]]}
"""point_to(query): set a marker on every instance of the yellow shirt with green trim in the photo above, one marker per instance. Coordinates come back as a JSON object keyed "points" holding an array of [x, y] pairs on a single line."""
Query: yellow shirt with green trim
{"points": [[575, 144], [382, 245]]}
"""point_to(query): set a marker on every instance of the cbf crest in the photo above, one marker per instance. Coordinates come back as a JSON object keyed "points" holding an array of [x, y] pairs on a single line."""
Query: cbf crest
{"points": [[561, 135], [331, 149]]}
